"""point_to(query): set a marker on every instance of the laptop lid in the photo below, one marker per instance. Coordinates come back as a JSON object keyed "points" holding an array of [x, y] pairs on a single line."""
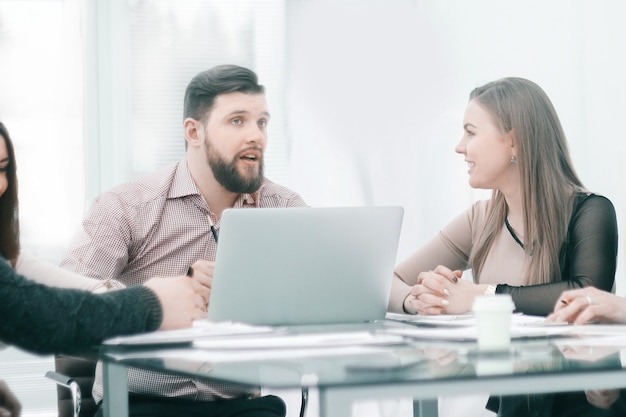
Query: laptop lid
{"points": [[282, 266]]}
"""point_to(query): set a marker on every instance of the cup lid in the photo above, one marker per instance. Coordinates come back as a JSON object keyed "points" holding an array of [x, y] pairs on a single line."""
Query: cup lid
{"points": [[493, 302]]}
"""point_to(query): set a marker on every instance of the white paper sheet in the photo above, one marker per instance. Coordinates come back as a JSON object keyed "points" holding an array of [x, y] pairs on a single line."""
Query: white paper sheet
{"points": [[453, 320], [201, 329], [522, 326]]}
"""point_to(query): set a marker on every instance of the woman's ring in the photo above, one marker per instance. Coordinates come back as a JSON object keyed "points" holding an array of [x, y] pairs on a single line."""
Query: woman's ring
{"points": [[589, 300]]}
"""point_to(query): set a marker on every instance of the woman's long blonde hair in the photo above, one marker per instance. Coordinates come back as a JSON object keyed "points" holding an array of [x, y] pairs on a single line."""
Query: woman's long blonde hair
{"points": [[548, 178]]}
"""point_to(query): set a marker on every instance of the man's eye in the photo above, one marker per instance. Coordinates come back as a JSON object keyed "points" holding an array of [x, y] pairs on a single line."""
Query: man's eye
{"points": [[237, 122], [262, 123]]}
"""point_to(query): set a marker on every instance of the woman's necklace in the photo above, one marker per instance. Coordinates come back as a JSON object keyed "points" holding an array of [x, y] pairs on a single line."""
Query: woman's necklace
{"points": [[512, 232]]}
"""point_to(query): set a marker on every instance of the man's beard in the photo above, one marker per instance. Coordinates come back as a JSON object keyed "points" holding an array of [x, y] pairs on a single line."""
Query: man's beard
{"points": [[229, 177]]}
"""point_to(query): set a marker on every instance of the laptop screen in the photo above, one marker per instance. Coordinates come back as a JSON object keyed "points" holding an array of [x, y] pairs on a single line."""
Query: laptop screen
{"points": [[279, 266]]}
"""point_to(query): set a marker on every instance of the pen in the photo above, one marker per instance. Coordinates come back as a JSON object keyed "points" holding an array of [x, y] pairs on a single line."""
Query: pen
{"points": [[214, 233], [212, 226]]}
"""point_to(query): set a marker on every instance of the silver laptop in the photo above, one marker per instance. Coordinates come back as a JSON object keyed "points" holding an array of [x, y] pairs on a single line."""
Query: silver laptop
{"points": [[292, 266]]}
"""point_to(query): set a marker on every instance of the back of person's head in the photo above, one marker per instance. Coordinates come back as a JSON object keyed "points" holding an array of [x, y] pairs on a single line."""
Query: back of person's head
{"points": [[548, 178], [222, 79], [9, 220]]}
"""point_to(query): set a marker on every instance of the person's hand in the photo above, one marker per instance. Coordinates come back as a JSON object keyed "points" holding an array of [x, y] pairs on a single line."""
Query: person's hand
{"points": [[589, 304], [602, 398], [180, 301], [201, 273], [9, 404], [441, 292], [428, 299], [432, 293]]}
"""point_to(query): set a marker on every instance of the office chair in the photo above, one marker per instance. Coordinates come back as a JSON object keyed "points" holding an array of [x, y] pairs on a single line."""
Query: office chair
{"points": [[74, 376]]}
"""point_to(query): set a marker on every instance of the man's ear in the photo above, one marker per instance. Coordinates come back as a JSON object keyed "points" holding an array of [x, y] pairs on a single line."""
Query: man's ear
{"points": [[194, 133]]}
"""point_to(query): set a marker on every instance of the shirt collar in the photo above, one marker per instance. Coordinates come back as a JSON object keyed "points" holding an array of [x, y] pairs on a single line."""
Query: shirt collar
{"points": [[182, 185]]}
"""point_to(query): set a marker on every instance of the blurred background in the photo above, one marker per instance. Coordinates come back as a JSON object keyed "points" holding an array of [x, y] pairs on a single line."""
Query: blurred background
{"points": [[367, 100]]}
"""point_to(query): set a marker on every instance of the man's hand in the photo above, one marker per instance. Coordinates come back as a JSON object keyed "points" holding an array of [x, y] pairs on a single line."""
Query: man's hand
{"points": [[202, 276]]}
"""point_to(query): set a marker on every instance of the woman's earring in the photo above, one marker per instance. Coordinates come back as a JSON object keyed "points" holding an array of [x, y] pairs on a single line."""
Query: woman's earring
{"points": [[513, 160]]}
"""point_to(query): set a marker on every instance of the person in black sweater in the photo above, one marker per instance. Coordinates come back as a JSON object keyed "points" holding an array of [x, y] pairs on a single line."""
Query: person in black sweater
{"points": [[43, 319], [46, 320]]}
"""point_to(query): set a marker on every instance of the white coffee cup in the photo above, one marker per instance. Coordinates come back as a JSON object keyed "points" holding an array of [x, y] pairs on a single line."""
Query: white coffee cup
{"points": [[493, 319]]}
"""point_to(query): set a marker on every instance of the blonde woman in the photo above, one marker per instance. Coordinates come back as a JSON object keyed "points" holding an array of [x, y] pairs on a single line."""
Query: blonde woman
{"points": [[541, 233]]}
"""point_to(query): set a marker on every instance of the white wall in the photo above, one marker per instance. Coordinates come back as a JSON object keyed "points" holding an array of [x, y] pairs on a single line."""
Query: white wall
{"points": [[377, 89]]}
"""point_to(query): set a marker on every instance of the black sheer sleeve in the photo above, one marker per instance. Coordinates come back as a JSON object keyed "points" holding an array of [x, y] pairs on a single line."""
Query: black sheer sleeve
{"points": [[43, 319], [589, 258]]}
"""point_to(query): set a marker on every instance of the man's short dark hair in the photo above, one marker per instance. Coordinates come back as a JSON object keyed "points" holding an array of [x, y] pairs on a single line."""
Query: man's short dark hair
{"points": [[204, 87]]}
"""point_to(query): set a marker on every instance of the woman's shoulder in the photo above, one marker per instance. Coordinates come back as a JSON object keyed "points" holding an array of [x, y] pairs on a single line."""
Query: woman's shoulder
{"points": [[591, 199], [587, 203], [478, 211]]}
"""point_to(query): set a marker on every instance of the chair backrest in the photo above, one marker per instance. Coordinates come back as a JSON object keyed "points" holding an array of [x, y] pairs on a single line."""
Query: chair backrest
{"points": [[82, 370]]}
